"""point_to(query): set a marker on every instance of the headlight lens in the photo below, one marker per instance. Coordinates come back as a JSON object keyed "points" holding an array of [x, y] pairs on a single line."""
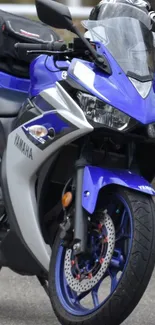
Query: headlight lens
{"points": [[102, 113]]}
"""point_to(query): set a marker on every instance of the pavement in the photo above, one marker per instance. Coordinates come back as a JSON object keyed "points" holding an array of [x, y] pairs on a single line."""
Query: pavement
{"points": [[23, 302]]}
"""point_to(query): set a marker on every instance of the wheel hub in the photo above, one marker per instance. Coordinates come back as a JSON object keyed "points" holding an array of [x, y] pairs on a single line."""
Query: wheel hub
{"points": [[83, 273]]}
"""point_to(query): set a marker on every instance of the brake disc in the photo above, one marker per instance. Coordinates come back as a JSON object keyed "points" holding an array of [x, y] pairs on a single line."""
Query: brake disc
{"points": [[82, 285]]}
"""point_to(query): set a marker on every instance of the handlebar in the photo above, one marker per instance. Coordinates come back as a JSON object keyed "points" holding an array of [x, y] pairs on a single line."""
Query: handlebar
{"points": [[52, 46], [81, 48]]}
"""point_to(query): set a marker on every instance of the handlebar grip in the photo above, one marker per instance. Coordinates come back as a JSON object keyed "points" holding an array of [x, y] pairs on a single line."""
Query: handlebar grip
{"points": [[51, 46]]}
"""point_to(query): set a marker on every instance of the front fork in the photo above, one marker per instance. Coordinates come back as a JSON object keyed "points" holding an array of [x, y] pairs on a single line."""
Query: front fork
{"points": [[80, 217]]}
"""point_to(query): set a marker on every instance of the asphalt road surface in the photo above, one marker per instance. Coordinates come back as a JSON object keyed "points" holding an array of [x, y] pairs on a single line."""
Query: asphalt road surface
{"points": [[23, 302]]}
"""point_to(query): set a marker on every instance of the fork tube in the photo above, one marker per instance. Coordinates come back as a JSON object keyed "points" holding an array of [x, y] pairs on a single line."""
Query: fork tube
{"points": [[80, 221]]}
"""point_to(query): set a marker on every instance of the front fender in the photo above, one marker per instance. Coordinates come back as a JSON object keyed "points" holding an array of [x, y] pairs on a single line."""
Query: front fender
{"points": [[96, 178]]}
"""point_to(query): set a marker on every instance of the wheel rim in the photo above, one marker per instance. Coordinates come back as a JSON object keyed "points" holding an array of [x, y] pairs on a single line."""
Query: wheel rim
{"points": [[74, 302]]}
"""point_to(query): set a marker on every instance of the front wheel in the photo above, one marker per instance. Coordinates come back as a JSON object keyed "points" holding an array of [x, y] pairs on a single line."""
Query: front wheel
{"points": [[104, 286]]}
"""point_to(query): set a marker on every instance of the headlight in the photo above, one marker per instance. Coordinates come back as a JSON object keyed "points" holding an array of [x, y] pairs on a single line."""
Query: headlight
{"points": [[102, 113]]}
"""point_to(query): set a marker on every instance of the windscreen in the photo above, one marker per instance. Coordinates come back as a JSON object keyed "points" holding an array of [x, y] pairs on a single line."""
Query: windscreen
{"points": [[125, 30]]}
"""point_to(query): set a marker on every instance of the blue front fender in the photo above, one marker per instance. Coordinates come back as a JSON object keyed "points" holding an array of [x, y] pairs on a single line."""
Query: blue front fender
{"points": [[96, 178]]}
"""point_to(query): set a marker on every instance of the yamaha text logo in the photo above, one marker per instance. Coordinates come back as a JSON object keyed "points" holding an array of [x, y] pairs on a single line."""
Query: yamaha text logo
{"points": [[23, 147]]}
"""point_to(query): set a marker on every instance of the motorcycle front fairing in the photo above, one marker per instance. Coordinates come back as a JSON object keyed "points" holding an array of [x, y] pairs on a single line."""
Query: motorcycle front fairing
{"points": [[119, 91], [116, 90]]}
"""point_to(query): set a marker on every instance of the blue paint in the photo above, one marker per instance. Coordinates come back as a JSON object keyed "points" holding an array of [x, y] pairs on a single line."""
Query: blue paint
{"points": [[72, 301], [14, 83], [118, 91], [96, 178], [44, 74]]}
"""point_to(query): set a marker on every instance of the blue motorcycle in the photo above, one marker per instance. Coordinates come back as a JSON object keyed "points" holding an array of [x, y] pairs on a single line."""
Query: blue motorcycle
{"points": [[77, 149]]}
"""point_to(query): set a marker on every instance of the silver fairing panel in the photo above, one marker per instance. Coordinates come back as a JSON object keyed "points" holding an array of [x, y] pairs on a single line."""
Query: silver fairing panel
{"points": [[23, 161]]}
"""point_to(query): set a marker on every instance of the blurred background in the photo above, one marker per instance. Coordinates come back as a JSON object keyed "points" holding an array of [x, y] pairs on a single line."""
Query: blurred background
{"points": [[70, 2], [73, 3]]}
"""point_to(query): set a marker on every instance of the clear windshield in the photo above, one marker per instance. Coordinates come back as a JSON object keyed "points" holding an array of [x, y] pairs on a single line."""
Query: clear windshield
{"points": [[125, 31]]}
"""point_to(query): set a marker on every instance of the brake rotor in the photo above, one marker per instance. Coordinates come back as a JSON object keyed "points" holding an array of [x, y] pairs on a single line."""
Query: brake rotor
{"points": [[79, 284]]}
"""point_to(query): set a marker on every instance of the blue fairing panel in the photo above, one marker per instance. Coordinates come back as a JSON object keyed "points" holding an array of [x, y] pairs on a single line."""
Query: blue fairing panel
{"points": [[116, 89], [44, 74], [14, 83]]}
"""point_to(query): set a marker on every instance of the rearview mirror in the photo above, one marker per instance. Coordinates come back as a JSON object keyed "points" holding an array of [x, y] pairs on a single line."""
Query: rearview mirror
{"points": [[54, 14]]}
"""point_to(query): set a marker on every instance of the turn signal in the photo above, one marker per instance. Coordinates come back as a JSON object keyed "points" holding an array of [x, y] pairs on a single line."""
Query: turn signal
{"points": [[38, 131], [67, 199]]}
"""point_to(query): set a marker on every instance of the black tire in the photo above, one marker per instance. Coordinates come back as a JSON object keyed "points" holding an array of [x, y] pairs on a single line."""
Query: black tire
{"points": [[136, 276]]}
